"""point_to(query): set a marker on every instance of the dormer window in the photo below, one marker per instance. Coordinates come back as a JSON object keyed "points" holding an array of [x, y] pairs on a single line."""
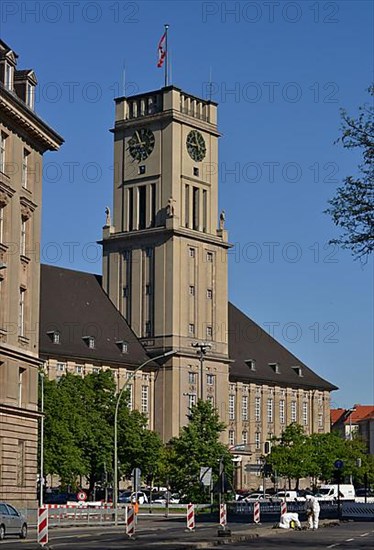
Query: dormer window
{"points": [[275, 367], [55, 336], [8, 76], [90, 341], [251, 364], [299, 371], [122, 345], [30, 95]]}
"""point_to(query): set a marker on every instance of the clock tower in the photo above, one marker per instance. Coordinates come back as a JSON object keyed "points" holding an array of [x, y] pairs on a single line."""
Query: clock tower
{"points": [[165, 250]]}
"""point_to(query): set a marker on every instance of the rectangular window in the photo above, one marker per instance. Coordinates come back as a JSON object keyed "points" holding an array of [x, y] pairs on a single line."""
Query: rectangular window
{"points": [[25, 169], [148, 290], [187, 206], [130, 389], [205, 211], [210, 398], [21, 312], [60, 367], [3, 138], [209, 293], [131, 209], [245, 407], [21, 462], [192, 377], [191, 400], [231, 437], [257, 441], [270, 410], [320, 420], [148, 328], [293, 411], [2, 224], [8, 80], [231, 407], [258, 409], [96, 370], [191, 252], [191, 329], [305, 414], [23, 236], [195, 208], [30, 95], [142, 206], [192, 290], [145, 390], [91, 342], [79, 369], [281, 411], [209, 257], [209, 332], [153, 204], [210, 379], [21, 375], [245, 437]]}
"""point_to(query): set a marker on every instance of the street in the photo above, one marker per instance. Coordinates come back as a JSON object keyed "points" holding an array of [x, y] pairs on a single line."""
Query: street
{"points": [[171, 535]]}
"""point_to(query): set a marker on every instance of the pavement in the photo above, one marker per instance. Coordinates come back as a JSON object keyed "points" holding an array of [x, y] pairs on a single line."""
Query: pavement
{"points": [[169, 534]]}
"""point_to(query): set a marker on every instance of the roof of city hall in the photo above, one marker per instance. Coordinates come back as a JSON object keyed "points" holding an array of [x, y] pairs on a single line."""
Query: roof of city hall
{"points": [[74, 304]]}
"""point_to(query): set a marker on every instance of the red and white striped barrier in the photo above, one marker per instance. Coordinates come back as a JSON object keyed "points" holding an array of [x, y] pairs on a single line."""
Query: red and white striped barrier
{"points": [[43, 526], [256, 512], [283, 507], [190, 516], [130, 523], [222, 515]]}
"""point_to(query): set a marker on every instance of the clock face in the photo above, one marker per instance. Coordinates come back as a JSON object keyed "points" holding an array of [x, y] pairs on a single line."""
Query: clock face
{"points": [[141, 144], [196, 145]]}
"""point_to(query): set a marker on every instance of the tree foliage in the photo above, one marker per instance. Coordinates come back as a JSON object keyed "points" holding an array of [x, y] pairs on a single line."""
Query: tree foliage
{"points": [[79, 431], [352, 208], [198, 445], [295, 455]]}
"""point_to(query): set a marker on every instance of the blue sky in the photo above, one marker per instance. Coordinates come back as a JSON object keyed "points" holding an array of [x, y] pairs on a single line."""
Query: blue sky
{"points": [[280, 73]]}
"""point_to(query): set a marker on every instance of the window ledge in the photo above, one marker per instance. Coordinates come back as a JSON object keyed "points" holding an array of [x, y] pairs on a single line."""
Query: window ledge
{"points": [[25, 259], [23, 339]]}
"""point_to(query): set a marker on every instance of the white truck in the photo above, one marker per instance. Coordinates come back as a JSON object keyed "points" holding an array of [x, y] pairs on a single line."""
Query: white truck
{"points": [[289, 496], [330, 492]]}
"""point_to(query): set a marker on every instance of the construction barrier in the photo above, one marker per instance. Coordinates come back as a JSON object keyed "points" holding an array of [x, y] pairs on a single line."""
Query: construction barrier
{"points": [[130, 523], [190, 516], [256, 512], [222, 515], [283, 507], [43, 526]]}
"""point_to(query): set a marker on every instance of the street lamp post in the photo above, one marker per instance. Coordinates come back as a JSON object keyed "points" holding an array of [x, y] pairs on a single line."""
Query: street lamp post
{"points": [[125, 386], [350, 434], [202, 348]]}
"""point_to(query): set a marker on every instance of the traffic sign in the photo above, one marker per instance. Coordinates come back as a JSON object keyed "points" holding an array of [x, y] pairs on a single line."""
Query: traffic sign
{"points": [[205, 475], [135, 478], [339, 464], [81, 496]]}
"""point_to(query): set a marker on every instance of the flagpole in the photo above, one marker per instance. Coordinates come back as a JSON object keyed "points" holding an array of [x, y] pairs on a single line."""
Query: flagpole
{"points": [[167, 54]]}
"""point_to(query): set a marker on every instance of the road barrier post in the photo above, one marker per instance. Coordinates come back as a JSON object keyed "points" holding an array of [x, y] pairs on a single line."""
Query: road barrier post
{"points": [[43, 526], [256, 512], [283, 507], [223, 515], [130, 523], [190, 516]]}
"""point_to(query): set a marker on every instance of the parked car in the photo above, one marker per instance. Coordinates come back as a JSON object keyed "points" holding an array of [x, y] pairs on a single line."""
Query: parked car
{"points": [[254, 496], [161, 498], [290, 496], [12, 522], [130, 496], [362, 492]]}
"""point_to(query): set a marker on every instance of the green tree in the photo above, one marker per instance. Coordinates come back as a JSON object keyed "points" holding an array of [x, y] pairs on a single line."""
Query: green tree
{"points": [[352, 208], [198, 445], [79, 431], [290, 455]]}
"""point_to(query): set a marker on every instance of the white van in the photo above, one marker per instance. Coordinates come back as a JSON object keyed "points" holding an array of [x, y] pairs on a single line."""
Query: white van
{"points": [[330, 492], [289, 496]]}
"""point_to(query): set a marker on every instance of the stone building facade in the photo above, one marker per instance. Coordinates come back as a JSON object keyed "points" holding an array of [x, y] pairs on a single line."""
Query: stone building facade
{"points": [[24, 137], [165, 276]]}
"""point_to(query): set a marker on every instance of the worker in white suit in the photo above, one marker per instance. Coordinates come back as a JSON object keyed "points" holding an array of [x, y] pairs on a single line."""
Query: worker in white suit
{"points": [[312, 511], [289, 520]]}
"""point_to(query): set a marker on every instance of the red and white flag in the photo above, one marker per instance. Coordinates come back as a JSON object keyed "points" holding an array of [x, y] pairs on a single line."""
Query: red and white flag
{"points": [[161, 50]]}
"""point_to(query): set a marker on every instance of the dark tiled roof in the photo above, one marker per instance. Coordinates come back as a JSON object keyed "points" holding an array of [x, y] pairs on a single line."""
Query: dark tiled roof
{"points": [[247, 340], [74, 304]]}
